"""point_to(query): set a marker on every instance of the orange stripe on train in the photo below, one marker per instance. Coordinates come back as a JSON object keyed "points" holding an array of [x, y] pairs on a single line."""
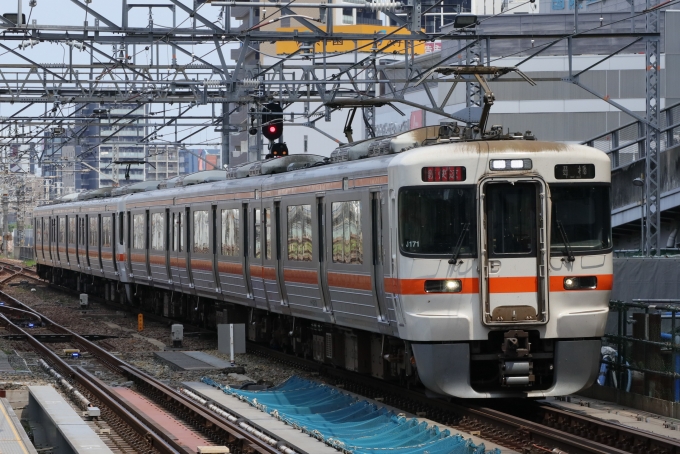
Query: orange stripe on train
{"points": [[354, 281]]}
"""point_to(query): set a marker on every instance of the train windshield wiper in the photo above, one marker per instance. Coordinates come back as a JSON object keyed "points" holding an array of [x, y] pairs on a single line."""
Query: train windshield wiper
{"points": [[459, 244], [563, 233]]}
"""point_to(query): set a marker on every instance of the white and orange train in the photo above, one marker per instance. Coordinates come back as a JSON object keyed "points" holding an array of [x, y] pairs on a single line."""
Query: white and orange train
{"points": [[481, 268]]}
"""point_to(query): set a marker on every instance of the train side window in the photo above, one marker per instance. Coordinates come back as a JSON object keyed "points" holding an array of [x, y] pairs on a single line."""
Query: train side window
{"points": [[257, 237], [138, 231], [106, 231], [230, 234], [201, 232], [94, 231], [71, 230], [300, 233], [158, 231], [348, 244], [62, 229]]}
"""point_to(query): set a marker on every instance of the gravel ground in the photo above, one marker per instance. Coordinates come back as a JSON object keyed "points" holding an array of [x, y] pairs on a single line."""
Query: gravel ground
{"points": [[137, 348]]}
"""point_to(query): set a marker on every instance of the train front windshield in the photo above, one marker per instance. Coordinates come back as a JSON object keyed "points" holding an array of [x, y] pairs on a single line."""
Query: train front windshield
{"points": [[581, 218], [434, 220]]}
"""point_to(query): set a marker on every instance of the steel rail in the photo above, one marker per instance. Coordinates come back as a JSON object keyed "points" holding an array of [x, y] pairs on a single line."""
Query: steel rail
{"points": [[557, 429], [231, 432], [133, 421]]}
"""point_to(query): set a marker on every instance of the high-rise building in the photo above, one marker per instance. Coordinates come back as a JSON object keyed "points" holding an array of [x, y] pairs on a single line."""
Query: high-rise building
{"points": [[163, 162], [114, 132]]}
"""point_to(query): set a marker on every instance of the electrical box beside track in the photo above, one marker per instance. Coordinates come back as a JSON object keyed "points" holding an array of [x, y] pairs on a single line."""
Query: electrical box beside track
{"points": [[84, 301], [177, 335]]}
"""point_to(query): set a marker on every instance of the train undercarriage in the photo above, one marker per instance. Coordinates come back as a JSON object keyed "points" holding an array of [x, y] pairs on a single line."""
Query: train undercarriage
{"points": [[381, 356]]}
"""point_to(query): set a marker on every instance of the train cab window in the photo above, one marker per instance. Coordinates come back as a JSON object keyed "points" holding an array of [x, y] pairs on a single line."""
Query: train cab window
{"points": [[94, 231], [71, 230], [580, 212], [512, 219], [230, 236], [106, 231], [62, 230], [257, 237], [201, 232], [138, 240], [158, 231], [348, 243], [300, 233], [433, 219]]}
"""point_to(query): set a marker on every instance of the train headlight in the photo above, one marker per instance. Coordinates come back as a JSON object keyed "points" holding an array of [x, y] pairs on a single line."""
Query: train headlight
{"points": [[510, 164], [580, 283], [444, 286]]}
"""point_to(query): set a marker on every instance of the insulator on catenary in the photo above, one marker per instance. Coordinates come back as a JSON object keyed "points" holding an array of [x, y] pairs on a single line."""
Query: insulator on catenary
{"points": [[251, 83], [383, 5]]}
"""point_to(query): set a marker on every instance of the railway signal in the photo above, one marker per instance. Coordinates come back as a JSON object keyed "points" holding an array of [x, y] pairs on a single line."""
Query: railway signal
{"points": [[272, 121]]}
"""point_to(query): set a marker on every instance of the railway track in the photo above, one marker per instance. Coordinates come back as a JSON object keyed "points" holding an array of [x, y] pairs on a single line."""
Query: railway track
{"points": [[9, 271], [144, 434], [525, 426]]}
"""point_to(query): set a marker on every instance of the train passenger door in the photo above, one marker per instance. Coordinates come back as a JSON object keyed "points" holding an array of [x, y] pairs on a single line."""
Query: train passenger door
{"points": [[322, 254], [245, 228], [271, 256], [378, 255], [257, 257], [349, 259], [201, 249], [114, 242], [230, 252], [513, 246]]}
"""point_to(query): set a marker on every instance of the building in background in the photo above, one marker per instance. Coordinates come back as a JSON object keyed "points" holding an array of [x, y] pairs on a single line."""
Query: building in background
{"points": [[114, 130], [199, 159], [163, 162]]}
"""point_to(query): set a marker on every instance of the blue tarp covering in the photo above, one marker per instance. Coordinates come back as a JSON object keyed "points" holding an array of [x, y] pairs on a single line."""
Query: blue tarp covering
{"points": [[349, 424]]}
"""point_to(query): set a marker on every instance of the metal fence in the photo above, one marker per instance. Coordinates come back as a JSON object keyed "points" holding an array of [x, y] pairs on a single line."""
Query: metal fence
{"points": [[641, 353], [626, 144]]}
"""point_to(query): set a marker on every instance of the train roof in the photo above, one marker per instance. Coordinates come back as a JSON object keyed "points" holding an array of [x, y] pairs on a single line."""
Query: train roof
{"points": [[362, 158]]}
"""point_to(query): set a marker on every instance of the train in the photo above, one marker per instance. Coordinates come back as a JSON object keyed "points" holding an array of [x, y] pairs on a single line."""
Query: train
{"points": [[479, 266]]}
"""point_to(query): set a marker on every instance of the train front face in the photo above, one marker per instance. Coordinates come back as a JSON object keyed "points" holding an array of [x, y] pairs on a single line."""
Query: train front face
{"points": [[503, 256]]}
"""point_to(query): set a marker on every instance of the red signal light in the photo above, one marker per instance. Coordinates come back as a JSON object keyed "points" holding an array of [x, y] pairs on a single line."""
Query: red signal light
{"points": [[449, 173], [272, 129]]}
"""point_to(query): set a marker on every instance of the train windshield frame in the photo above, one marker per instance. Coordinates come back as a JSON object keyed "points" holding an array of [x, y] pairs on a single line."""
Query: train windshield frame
{"points": [[583, 211], [432, 220]]}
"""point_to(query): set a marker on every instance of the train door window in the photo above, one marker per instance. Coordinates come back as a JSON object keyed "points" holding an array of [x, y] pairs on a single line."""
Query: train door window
{"points": [[201, 232], [277, 234], [121, 232], [257, 237], [214, 230], [62, 229], [230, 236], [267, 233], [38, 230], [94, 231], [511, 219], [71, 230], [138, 231], [180, 232], [348, 244], [300, 233], [158, 231], [106, 231]]}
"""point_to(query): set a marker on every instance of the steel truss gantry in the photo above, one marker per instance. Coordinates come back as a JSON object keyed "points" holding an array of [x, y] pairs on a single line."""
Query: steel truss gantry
{"points": [[115, 60]]}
